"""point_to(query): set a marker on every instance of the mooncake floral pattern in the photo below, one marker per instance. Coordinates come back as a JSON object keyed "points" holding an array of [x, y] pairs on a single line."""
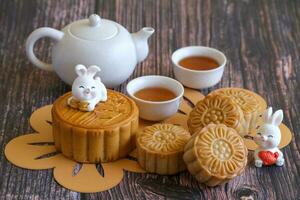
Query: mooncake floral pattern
{"points": [[247, 102], [116, 109], [250, 103], [116, 106], [221, 151], [163, 138], [215, 109]]}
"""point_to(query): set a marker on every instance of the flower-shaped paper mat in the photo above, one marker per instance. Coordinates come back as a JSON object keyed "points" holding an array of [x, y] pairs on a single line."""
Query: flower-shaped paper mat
{"points": [[37, 151]]}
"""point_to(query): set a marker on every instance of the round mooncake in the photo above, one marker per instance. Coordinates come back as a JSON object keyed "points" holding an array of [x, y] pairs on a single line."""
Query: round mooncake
{"points": [[160, 148], [215, 154], [103, 135], [250, 103], [216, 109]]}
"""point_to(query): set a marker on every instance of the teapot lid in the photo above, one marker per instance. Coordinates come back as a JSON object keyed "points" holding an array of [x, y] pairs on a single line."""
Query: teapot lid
{"points": [[94, 28]]}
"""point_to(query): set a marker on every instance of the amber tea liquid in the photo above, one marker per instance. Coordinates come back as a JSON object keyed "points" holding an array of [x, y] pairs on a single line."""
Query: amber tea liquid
{"points": [[155, 94], [199, 63]]}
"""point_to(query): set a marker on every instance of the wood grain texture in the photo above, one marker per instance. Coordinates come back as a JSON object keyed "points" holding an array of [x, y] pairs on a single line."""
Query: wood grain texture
{"points": [[260, 39]]}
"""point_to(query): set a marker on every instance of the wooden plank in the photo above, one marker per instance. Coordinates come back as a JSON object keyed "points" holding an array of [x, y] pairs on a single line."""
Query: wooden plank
{"points": [[260, 39], [25, 88]]}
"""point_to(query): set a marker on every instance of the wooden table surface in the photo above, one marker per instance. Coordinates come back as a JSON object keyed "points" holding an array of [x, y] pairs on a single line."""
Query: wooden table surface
{"points": [[261, 40]]}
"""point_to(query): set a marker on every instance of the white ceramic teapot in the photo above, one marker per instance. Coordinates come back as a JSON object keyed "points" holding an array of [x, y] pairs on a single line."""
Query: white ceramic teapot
{"points": [[93, 41]]}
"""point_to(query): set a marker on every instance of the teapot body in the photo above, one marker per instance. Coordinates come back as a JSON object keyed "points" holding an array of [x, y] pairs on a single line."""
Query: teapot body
{"points": [[93, 41], [116, 57]]}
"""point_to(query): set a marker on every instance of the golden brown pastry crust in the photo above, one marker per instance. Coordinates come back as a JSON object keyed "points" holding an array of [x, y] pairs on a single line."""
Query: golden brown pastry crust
{"points": [[103, 135], [160, 148], [216, 109], [247, 101], [215, 154]]}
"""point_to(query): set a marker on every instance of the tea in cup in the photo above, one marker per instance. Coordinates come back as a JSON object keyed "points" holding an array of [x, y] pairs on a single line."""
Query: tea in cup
{"points": [[157, 97], [198, 67]]}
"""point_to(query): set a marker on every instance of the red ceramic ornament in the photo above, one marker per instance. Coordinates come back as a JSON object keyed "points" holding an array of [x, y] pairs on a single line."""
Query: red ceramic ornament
{"points": [[268, 157]]}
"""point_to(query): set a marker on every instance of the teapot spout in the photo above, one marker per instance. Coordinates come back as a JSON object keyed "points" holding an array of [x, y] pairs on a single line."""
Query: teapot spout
{"points": [[140, 39]]}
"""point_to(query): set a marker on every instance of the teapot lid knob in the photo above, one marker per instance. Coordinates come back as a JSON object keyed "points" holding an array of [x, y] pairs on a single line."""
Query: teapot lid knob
{"points": [[94, 20], [94, 28]]}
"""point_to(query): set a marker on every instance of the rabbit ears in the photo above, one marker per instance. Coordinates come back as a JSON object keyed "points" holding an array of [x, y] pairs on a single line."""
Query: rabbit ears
{"points": [[92, 70], [274, 119]]}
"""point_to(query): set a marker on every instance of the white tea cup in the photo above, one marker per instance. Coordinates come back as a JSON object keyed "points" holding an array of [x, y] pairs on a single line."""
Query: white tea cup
{"points": [[198, 79], [156, 110]]}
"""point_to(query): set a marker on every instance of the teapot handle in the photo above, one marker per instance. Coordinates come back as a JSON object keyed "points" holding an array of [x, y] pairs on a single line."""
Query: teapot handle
{"points": [[36, 35]]}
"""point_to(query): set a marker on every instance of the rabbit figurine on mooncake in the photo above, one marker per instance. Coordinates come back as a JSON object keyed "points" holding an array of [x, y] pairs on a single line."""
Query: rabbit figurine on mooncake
{"points": [[268, 138], [87, 90]]}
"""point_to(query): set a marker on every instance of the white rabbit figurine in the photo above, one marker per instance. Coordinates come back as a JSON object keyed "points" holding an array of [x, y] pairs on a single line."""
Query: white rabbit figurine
{"points": [[87, 89], [268, 138]]}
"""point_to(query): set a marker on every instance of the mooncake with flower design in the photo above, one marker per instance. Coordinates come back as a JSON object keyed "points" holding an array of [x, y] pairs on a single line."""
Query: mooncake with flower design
{"points": [[216, 109], [160, 148], [103, 135], [215, 154], [249, 103]]}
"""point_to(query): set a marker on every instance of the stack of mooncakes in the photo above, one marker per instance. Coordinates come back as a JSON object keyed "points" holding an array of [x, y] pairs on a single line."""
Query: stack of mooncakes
{"points": [[215, 152]]}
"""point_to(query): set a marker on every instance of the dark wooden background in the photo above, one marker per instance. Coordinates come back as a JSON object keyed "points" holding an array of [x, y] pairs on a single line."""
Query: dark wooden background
{"points": [[260, 38]]}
